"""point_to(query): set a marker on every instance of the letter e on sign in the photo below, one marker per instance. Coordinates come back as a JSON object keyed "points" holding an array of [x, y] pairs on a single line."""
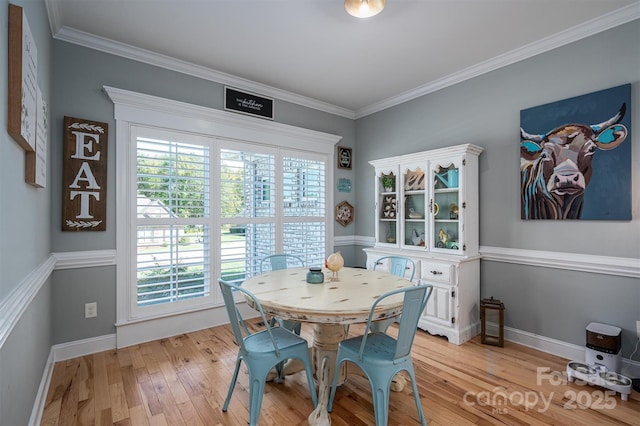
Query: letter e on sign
{"points": [[84, 176]]}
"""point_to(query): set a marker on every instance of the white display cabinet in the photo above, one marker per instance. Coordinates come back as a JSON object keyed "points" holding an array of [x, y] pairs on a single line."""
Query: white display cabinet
{"points": [[427, 208]]}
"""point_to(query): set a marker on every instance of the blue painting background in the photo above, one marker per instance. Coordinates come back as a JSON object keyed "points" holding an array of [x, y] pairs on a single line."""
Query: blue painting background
{"points": [[608, 195]]}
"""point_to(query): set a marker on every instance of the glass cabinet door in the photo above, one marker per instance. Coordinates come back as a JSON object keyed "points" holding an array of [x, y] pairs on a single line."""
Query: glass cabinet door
{"points": [[414, 208], [444, 208], [387, 208]]}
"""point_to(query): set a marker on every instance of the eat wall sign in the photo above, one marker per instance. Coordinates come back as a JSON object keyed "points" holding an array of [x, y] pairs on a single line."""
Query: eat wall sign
{"points": [[84, 199]]}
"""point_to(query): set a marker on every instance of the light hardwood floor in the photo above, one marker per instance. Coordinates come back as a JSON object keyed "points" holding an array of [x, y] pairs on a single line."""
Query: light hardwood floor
{"points": [[183, 380]]}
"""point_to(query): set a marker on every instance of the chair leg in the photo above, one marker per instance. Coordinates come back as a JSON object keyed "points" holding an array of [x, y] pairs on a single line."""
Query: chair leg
{"points": [[257, 378], [423, 421], [232, 385], [380, 403], [256, 391], [280, 372]]}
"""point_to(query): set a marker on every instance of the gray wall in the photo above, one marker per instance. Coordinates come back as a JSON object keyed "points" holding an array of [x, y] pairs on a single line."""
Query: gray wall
{"points": [[78, 77], [485, 111], [24, 240]]}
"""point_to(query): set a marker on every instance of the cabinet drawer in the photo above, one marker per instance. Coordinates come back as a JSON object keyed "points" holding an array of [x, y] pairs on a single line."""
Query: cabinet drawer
{"points": [[435, 271]]}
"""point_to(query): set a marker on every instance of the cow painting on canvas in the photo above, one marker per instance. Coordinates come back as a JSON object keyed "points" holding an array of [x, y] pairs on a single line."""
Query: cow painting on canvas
{"points": [[558, 166]]}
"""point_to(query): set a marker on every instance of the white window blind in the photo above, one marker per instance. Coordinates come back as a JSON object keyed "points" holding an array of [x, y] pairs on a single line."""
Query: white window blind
{"points": [[304, 207], [247, 210], [172, 225]]}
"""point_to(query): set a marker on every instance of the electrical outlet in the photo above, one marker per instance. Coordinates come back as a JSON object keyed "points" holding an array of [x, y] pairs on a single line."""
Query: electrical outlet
{"points": [[91, 310], [638, 328]]}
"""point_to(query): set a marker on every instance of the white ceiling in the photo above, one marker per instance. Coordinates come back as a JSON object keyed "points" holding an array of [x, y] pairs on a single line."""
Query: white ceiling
{"points": [[313, 53]]}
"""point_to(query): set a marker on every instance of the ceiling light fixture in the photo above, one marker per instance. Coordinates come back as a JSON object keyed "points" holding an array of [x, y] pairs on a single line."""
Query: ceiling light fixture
{"points": [[364, 8]]}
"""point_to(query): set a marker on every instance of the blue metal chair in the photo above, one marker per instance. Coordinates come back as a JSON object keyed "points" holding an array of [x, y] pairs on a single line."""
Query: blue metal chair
{"points": [[261, 351], [381, 356], [399, 266], [276, 262]]}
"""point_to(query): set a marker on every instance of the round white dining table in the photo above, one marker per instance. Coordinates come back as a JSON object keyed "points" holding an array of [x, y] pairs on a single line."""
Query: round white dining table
{"points": [[330, 306]]}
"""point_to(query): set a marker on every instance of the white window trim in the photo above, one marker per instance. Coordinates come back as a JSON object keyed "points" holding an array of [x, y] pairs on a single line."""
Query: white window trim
{"points": [[131, 108]]}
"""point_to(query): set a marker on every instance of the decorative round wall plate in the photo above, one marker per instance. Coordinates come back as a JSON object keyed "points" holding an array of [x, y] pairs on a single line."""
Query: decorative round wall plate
{"points": [[344, 213]]}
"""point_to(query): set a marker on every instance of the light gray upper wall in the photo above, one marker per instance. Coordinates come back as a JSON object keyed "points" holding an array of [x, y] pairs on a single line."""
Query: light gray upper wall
{"points": [[80, 74], [486, 111], [24, 220], [24, 240]]}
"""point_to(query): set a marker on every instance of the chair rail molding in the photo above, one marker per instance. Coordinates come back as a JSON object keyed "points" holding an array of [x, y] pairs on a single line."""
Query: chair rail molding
{"points": [[84, 259], [608, 265], [18, 300]]}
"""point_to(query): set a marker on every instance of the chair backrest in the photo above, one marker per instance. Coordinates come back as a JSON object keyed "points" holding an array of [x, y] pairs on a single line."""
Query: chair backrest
{"points": [[398, 265], [280, 261], [235, 317], [415, 299]]}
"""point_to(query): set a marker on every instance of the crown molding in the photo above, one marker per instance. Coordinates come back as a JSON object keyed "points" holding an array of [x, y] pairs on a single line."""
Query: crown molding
{"points": [[594, 26], [151, 58]]}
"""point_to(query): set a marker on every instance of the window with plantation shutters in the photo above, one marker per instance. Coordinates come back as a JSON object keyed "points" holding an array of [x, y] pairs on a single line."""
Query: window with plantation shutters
{"points": [[247, 211], [304, 208], [204, 194], [172, 221], [270, 203], [208, 208]]}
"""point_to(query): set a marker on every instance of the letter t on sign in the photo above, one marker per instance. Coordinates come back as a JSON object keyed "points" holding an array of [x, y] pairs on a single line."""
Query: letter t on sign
{"points": [[84, 200]]}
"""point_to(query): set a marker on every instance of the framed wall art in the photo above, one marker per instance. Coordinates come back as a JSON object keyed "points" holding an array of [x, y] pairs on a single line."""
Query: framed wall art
{"points": [[344, 157], [84, 179], [344, 213], [344, 185], [36, 161], [23, 80], [248, 103], [575, 157]]}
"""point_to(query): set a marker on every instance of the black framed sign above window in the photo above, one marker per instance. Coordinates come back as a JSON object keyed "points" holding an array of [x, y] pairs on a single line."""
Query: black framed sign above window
{"points": [[248, 103], [344, 157]]}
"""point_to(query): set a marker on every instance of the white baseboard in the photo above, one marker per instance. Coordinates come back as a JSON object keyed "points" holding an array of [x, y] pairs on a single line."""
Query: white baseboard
{"points": [[41, 396], [83, 347], [545, 344], [133, 333], [571, 352]]}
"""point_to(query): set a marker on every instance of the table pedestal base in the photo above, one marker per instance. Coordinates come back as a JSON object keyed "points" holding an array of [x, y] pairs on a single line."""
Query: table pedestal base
{"points": [[326, 338]]}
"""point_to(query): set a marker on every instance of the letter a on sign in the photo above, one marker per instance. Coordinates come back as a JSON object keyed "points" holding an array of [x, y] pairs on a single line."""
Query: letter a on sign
{"points": [[84, 199]]}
